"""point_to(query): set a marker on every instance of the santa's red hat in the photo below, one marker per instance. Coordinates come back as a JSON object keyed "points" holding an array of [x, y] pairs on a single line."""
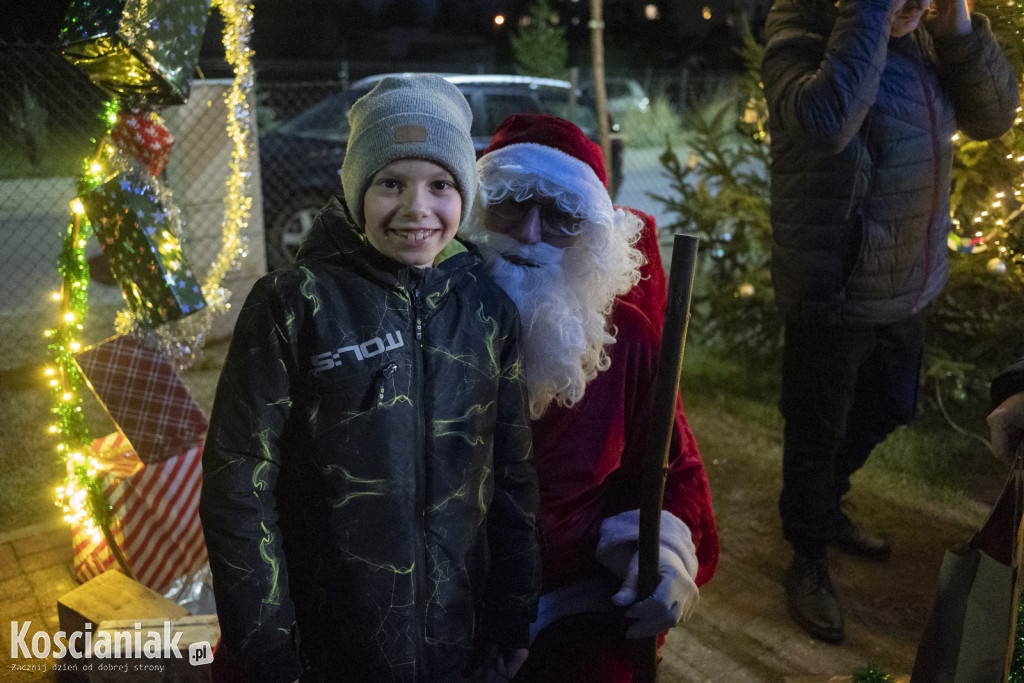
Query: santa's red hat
{"points": [[555, 154]]}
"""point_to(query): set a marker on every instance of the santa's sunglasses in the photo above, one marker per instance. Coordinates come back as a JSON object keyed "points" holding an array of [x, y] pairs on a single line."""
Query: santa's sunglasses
{"points": [[555, 224]]}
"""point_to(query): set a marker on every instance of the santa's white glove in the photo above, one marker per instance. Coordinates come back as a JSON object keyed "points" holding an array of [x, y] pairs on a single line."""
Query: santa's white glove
{"points": [[676, 595]]}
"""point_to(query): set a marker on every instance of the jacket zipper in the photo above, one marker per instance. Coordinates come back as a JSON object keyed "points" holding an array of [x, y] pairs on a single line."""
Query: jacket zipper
{"points": [[936, 170], [419, 576], [385, 373]]}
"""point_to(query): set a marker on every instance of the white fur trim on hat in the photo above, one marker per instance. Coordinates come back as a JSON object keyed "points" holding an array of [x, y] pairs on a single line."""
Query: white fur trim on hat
{"points": [[571, 175]]}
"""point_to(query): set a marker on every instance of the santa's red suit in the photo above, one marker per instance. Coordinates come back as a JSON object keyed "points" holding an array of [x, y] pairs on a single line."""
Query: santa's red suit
{"points": [[589, 462], [588, 457]]}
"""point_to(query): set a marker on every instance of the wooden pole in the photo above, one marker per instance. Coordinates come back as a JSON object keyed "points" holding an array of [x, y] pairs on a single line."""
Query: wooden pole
{"points": [[600, 95], [655, 463]]}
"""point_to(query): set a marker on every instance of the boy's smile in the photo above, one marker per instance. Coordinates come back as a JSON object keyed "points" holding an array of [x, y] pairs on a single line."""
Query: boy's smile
{"points": [[413, 209]]}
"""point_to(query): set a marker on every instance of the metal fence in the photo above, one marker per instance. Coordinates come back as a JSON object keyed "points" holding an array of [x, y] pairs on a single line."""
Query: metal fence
{"points": [[49, 120], [49, 124]]}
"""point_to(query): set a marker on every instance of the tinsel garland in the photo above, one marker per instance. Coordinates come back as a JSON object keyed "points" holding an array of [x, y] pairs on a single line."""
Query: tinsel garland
{"points": [[82, 497], [184, 339], [238, 201], [1017, 661]]}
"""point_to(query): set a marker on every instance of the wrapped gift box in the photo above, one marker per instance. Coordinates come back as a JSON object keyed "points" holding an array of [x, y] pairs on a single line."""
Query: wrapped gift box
{"points": [[137, 237], [138, 49], [158, 513], [145, 396], [143, 137], [91, 555]]}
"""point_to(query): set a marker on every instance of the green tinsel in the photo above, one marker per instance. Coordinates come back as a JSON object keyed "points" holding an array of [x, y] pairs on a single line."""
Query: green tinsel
{"points": [[1017, 662], [72, 430], [871, 674]]}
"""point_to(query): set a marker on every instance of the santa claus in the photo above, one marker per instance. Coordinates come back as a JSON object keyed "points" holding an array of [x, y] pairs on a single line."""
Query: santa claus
{"points": [[588, 281]]}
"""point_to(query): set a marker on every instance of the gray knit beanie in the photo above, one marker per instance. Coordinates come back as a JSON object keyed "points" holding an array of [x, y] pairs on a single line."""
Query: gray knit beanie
{"points": [[419, 117]]}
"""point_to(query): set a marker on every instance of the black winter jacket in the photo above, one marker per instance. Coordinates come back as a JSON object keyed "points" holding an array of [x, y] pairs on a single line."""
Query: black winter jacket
{"points": [[861, 129], [369, 502]]}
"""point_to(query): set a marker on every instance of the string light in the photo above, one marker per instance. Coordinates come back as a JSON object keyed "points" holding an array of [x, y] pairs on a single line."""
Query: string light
{"points": [[81, 497]]}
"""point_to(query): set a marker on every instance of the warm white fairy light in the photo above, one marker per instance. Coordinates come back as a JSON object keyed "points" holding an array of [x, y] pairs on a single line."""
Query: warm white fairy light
{"points": [[73, 497], [184, 338]]}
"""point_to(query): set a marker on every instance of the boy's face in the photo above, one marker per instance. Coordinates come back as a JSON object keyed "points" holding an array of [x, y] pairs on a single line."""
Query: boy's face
{"points": [[412, 210]]}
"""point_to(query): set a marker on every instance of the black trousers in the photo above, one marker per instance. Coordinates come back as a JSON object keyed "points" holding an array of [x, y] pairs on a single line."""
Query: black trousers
{"points": [[844, 389]]}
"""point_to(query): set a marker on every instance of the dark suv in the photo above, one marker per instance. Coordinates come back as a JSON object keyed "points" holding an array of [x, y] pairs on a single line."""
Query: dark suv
{"points": [[301, 159]]}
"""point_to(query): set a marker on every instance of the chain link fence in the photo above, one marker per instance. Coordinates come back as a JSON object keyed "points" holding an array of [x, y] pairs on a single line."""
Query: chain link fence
{"points": [[49, 115], [49, 121], [49, 125], [303, 137]]}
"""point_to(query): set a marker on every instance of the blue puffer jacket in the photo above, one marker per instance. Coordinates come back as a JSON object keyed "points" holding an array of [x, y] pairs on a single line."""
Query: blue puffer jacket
{"points": [[861, 129], [369, 502]]}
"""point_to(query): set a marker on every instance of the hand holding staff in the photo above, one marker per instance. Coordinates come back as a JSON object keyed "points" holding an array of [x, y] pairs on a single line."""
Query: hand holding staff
{"points": [[670, 361]]}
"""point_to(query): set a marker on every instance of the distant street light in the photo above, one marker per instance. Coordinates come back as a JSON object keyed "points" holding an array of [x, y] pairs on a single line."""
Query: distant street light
{"points": [[499, 19]]}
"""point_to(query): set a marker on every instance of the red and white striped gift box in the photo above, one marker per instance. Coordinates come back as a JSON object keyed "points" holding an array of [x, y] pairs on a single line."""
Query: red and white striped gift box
{"points": [[158, 509], [92, 556]]}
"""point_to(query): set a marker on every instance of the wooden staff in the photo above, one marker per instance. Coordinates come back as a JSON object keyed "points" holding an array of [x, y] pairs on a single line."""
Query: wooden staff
{"points": [[655, 463]]}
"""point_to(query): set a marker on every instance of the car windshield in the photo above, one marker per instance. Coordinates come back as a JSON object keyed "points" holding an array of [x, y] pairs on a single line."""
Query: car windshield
{"points": [[326, 120]]}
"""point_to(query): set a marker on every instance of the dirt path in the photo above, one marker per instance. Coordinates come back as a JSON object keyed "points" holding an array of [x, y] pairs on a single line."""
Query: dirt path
{"points": [[741, 631]]}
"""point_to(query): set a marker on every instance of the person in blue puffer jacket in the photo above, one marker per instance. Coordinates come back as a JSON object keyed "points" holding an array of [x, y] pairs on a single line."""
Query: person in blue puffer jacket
{"points": [[864, 97], [369, 499]]}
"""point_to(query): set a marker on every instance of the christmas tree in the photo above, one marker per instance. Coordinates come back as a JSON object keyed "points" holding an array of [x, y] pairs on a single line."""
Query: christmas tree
{"points": [[720, 194], [540, 46]]}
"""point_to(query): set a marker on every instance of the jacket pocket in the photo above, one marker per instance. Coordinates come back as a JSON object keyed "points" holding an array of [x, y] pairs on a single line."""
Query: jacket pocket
{"points": [[358, 391]]}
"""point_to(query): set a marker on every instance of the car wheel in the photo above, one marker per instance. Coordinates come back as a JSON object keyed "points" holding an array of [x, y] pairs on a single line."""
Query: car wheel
{"points": [[288, 227]]}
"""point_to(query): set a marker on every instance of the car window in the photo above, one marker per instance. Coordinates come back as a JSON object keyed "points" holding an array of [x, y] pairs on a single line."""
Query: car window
{"points": [[499, 106], [328, 119], [557, 102]]}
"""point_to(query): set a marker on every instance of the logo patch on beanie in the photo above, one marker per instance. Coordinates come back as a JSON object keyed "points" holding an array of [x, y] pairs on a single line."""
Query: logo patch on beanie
{"points": [[411, 133]]}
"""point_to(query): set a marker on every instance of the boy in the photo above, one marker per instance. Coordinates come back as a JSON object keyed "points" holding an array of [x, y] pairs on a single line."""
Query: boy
{"points": [[368, 499]]}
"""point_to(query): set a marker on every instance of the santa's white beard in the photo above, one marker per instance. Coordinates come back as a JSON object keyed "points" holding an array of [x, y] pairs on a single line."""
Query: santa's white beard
{"points": [[563, 329]]}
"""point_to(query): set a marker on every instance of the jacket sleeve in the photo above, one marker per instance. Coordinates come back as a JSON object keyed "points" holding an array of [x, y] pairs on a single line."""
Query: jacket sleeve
{"points": [[513, 585], [821, 80], [238, 507], [979, 80], [1007, 383]]}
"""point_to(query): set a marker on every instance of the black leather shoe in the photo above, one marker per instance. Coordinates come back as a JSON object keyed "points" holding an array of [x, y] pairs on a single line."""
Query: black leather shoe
{"points": [[853, 540], [812, 600]]}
